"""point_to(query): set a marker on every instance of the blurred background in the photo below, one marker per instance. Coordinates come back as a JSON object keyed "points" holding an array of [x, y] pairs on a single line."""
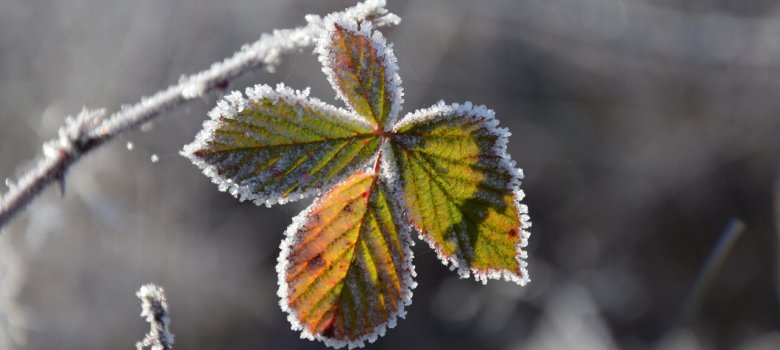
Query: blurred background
{"points": [[649, 132]]}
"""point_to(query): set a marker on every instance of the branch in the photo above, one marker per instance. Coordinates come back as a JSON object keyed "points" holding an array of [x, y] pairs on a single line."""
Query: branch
{"points": [[155, 308], [90, 129]]}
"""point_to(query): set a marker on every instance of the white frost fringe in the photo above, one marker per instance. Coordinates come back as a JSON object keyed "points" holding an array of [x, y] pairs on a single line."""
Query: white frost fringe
{"points": [[233, 104], [292, 236], [154, 308], [384, 53], [265, 52], [488, 119]]}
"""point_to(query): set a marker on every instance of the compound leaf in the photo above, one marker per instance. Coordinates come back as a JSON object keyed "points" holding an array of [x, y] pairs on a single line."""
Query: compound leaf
{"points": [[345, 270], [461, 189], [280, 145], [362, 69]]}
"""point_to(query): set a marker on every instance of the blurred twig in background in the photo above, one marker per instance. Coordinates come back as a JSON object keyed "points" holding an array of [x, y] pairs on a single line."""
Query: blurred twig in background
{"points": [[719, 253], [644, 126], [155, 308], [89, 129]]}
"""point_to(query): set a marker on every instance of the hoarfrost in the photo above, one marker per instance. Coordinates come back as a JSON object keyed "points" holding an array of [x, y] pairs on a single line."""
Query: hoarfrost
{"points": [[154, 308], [193, 89], [58, 157], [384, 53], [73, 139], [294, 234], [245, 187], [486, 118]]}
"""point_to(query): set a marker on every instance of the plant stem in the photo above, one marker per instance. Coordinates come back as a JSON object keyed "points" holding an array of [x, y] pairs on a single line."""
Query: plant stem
{"points": [[90, 129], [154, 307]]}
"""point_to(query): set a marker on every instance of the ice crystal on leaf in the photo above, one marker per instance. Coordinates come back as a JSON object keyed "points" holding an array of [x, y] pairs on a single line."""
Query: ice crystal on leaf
{"points": [[345, 271]]}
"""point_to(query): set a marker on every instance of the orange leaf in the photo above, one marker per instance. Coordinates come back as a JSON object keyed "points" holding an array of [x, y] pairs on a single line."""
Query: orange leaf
{"points": [[345, 271]]}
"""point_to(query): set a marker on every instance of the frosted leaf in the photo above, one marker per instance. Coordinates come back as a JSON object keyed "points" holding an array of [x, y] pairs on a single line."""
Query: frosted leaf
{"points": [[362, 68], [280, 145], [462, 190], [345, 271]]}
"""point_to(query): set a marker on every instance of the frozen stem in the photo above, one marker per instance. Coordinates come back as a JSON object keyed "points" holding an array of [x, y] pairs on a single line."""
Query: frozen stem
{"points": [[155, 309], [91, 129]]}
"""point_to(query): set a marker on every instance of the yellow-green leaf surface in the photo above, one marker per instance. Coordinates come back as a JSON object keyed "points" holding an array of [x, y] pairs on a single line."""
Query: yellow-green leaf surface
{"points": [[362, 69], [345, 272], [280, 145], [461, 190]]}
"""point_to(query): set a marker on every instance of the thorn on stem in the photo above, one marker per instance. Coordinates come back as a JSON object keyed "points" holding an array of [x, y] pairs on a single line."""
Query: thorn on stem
{"points": [[222, 85]]}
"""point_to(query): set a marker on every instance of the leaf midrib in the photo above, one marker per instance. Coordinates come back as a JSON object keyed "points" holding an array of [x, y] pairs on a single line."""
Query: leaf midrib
{"points": [[291, 144]]}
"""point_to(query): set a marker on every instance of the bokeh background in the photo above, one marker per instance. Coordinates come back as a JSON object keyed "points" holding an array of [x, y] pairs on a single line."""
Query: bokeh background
{"points": [[649, 131]]}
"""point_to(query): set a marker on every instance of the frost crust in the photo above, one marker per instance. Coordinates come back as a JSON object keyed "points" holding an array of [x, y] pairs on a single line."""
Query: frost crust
{"points": [[292, 236], [486, 117], [385, 53], [229, 108]]}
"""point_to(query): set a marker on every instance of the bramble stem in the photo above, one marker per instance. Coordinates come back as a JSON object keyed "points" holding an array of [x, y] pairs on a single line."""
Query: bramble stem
{"points": [[154, 308], [90, 129]]}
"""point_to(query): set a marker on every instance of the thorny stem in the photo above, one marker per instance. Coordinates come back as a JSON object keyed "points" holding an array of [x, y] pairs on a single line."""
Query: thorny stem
{"points": [[90, 130]]}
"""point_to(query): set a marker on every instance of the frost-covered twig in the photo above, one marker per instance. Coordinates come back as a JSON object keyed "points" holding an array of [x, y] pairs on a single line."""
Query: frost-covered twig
{"points": [[155, 309], [90, 129]]}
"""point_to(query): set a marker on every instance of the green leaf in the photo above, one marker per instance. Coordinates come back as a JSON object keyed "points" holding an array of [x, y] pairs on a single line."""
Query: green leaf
{"points": [[280, 145], [345, 270], [362, 69], [461, 189]]}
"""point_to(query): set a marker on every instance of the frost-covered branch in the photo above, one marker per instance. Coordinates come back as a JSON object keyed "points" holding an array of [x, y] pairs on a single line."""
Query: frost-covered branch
{"points": [[91, 129], [155, 308]]}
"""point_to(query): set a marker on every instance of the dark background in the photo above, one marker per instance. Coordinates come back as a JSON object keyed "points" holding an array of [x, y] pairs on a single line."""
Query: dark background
{"points": [[648, 130]]}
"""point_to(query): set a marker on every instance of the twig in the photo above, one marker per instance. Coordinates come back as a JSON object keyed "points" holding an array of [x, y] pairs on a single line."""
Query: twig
{"points": [[731, 233], [90, 129], [155, 308]]}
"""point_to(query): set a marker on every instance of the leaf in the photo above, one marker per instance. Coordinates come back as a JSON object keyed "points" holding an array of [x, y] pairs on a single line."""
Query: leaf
{"points": [[362, 69], [345, 270], [461, 189], [280, 145]]}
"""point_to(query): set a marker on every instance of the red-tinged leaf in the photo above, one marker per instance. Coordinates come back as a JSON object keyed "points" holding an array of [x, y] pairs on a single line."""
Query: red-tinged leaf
{"points": [[362, 69], [462, 191], [345, 270]]}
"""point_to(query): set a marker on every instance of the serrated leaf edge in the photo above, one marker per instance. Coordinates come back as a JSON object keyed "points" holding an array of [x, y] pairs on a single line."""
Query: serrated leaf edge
{"points": [[235, 103], [469, 110], [291, 238], [384, 50]]}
